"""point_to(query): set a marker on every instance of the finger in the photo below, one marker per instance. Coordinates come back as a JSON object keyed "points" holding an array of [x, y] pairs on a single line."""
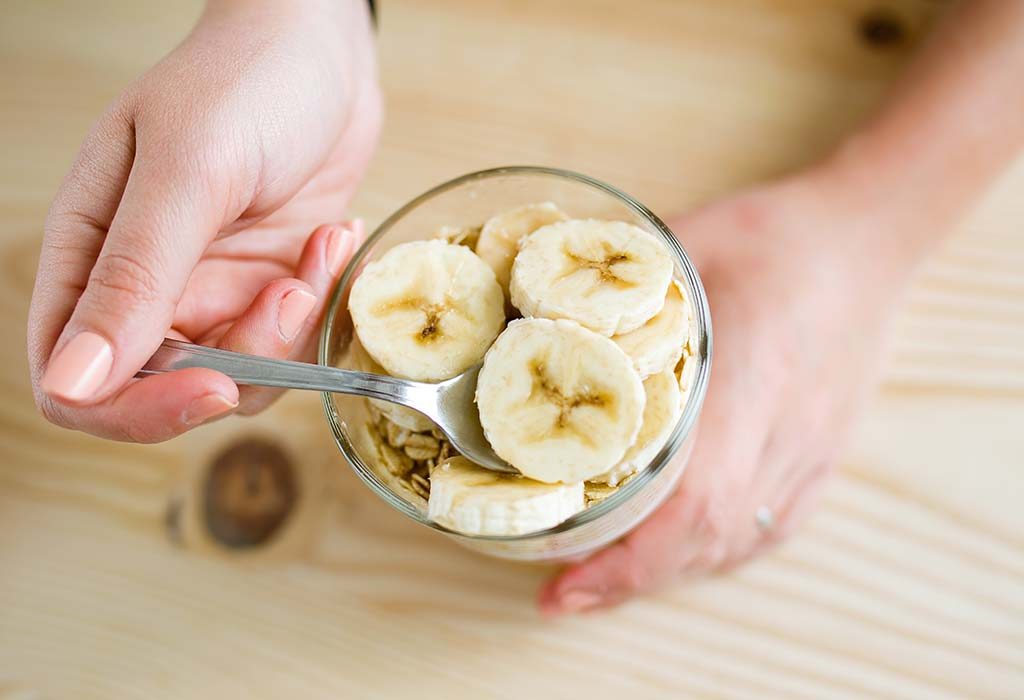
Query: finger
{"points": [[322, 271], [328, 250], [642, 561], [166, 217], [802, 499], [325, 256], [789, 497], [74, 232], [155, 408], [269, 328], [793, 466], [283, 320]]}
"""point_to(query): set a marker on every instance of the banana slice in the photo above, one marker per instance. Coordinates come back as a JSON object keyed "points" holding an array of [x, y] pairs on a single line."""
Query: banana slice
{"points": [[401, 416], [427, 310], [476, 501], [658, 344], [608, 276], [459, 235], [558, 402], [661, 411], [500, 235], [686, 370]]}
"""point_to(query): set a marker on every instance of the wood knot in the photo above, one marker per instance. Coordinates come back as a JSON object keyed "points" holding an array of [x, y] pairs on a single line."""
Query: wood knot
{"points": [[882, 28], [249, 492]]}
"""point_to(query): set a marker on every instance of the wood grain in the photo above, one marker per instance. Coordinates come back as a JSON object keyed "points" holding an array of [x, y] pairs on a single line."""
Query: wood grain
{"points": [[908, 583]]}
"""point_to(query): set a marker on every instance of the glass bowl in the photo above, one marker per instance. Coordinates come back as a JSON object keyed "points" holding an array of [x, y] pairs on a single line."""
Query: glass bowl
{"points": [[468, 201]]}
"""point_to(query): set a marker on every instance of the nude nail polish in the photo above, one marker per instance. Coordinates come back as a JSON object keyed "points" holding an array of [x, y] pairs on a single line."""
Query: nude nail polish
{"points": [[292, 313], [78, 369], [578, 601], [339, 246], [205, 407], [358, 227]]}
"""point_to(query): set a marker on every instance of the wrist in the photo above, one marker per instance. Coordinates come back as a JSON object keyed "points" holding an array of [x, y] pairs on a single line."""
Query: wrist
{"points": [[888, 209], [336, 35], [340, 17], [290, 6]]}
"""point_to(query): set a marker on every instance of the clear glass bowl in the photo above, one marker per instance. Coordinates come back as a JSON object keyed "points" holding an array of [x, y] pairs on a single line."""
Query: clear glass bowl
{"points": [[468, 201]]}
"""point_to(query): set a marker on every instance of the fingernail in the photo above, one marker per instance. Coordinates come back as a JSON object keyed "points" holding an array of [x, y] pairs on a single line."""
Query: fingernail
{"points": [[205, 407], [81, 366], [339, 247], [293, 311], [358, 227], [578, 601]]}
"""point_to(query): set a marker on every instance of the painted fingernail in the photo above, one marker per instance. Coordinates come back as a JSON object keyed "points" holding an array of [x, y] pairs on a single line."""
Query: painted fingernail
{"points": [[79, 368], [293, 311], [339, 246], [358, 227], [205, 407], [578, 601]]}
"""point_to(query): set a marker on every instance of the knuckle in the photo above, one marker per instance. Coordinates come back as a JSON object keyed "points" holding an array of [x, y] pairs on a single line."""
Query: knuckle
{"points": [[714, 557], [714, 525], [126, 278], [64, 227], [713, 520]]}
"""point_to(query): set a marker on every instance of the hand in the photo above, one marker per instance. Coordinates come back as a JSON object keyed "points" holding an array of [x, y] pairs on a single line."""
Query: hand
{"points": [[798, 304], [188, 214]]}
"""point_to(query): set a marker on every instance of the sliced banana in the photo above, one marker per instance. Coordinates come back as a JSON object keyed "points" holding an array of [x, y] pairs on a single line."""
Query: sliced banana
{"points": [[661, 411], [686, 371], [476, 501], [427, 310], [500, 235], [401, 416], [609, 276], [459, 235], [658, 344], [557, 401]]}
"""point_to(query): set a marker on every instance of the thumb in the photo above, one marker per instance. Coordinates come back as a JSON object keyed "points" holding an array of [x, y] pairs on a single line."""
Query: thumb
{"points": [[164, 222]]}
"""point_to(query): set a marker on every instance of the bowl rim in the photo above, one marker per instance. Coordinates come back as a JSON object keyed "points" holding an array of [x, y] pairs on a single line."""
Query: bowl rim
{"points": [[684, 425]]}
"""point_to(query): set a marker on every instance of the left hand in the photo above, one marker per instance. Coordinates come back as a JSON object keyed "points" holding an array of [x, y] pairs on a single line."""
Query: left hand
{"points": [[799, 301]]}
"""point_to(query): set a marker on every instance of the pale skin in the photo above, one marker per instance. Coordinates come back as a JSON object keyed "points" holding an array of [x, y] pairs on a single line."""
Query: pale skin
{"points": [[193, 213]]}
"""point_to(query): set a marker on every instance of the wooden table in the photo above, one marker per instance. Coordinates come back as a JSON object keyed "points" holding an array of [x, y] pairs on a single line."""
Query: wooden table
{"points": [[909, 582]]}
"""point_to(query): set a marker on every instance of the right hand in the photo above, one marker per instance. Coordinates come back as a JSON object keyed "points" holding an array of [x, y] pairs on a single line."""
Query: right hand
{"points": [[188, 214]]}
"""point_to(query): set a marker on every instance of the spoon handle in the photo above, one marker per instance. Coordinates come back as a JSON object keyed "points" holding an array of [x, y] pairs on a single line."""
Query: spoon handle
{"points": [[264, 371]]}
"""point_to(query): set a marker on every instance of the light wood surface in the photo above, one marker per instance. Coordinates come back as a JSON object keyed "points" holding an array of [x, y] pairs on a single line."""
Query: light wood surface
{"points": [[908, 583]]}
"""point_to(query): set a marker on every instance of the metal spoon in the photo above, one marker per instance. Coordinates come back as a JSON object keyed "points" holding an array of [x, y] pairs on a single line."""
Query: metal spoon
{"points": [[449, 403]]}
